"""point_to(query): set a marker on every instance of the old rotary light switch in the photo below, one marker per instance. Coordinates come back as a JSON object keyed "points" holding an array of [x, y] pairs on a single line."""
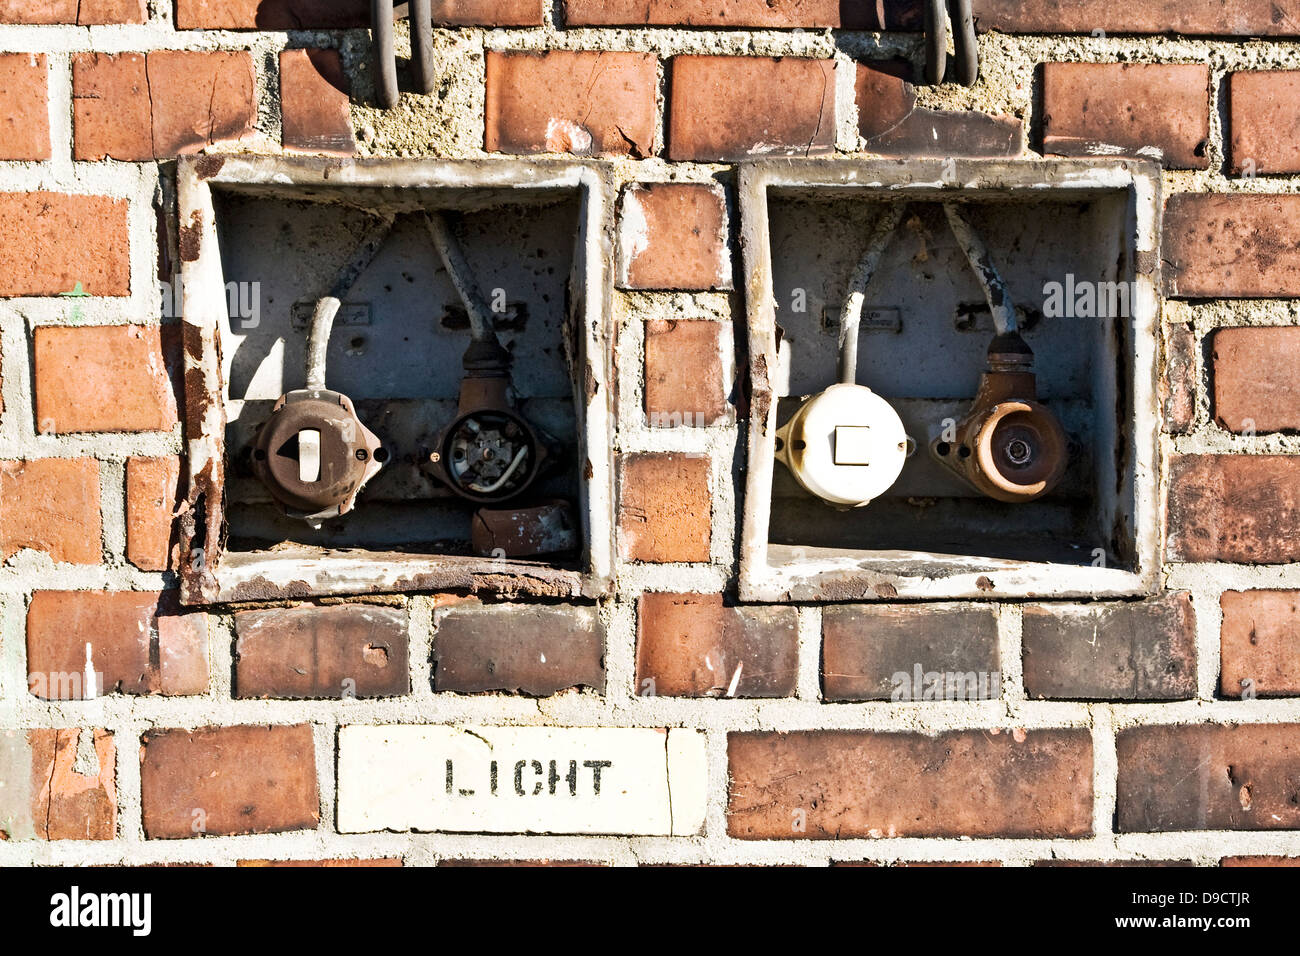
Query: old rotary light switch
{"points": [[845, 445], [315, 455]]}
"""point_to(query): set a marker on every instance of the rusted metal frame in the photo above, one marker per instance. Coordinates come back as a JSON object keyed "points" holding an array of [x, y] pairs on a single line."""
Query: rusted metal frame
{"points": [[212, 576]]}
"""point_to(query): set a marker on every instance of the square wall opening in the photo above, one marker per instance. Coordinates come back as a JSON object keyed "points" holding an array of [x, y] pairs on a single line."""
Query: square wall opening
{"points": [[264, 241], [1056, 233]]}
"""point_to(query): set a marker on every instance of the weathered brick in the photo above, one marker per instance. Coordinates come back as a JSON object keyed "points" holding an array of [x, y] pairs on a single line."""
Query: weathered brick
{"points": [[1232, 246], [153, 495], [1264, 120], [1125, 651], [690, 645], [108, 378], [1194, 17], [1113, 864], [314, 102], [136, 107], [73, 787], [1180, 380], [358, 650], [328, 864], [683, 373], [58, 785], [665, 508], [814, 14], [857, 784], [674, 236], [1147, 110], [223, 781], [910, 652], [134, 642], [81, 12], [51, 505], [732, 108], [537, 651], [1208, 777], [584, 103], [1260, 643], [344, 14], [1260, 861], [50, 243], [1257, 379], [893, 125], [272, 14], [24, 107], [1241, 508]]}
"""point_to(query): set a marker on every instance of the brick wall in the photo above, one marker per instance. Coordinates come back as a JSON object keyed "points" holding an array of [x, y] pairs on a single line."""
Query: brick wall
{"points": [[1161, 729]]}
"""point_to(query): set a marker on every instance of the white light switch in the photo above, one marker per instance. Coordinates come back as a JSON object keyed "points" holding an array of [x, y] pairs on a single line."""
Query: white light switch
{"points": [[853, 445]]}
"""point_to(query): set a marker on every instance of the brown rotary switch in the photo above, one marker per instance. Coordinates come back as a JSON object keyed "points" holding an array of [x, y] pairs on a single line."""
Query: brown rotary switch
{"points": [[315, 455], [1009, 446]]}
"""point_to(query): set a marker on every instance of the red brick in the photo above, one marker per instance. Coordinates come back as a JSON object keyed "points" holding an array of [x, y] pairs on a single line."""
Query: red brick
{"points": [[675, 236], [139, 642], [858, 784], [328, 864], [877, 653], [314, 102], [1192, 17], [1139, 650], [24, 106], [537, 651], [344, 14], [584, 103], [1208, 777], [50, 242], [223, 781], [67, 804], [350, 650], [665, 508], [1260, 861], [690, 645], [153, 494], [51, 505], [1232, 246], [1265, 122], [81, 12], [1260, 643], [1240, 508], [815, 14], [893, 125], [683, 373], [1152, 110], [1180, 381], [136, 107], [109, 378], [1257, 379], [731, 108], [272, 14]]}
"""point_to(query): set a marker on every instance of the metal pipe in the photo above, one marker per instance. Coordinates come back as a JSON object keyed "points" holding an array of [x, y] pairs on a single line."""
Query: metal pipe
{"points": [[855, 297], [936, 41], [322, 319], [422, 44], [381, 22], [986, 273], [462, 277], [964, 42]]}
